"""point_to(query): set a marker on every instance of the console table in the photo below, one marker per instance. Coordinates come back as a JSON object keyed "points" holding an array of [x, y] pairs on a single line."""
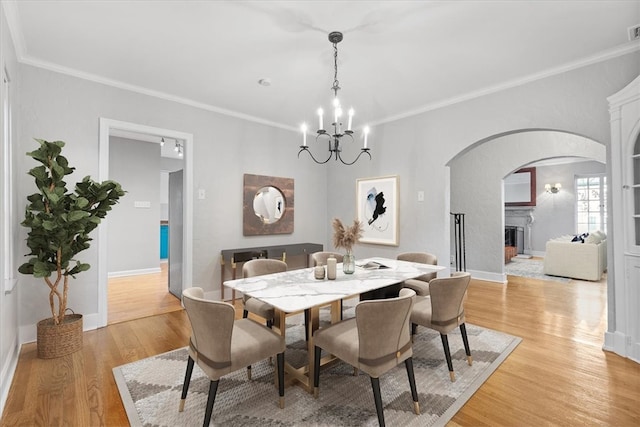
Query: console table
{"points": [[234, 256]]}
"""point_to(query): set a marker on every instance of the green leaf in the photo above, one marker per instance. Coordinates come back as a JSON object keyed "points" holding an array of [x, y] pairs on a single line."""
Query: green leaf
{"points": [[77, 215]]}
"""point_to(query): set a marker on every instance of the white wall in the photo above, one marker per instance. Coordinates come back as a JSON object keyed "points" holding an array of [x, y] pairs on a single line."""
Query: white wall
{"points": [[9, 301], [555, 213], [134, 230]]}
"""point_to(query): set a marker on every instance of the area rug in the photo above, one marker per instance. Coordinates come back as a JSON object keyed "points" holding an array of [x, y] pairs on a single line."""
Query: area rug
{"points": [[150, 388], [532, 268]]}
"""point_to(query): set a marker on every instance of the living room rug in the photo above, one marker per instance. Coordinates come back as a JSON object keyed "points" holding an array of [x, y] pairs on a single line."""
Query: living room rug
{"points": [[150, 388], [530, 268]]}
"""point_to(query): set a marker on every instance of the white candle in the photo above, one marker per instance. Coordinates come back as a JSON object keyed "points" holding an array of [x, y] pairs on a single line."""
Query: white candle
{"points": [[320, 113], [350, 119], [304, 134], [366, 134]]}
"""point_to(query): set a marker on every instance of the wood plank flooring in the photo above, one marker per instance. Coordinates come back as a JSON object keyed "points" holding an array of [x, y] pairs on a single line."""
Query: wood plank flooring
{"points": [[558, 375], [133, 297]]}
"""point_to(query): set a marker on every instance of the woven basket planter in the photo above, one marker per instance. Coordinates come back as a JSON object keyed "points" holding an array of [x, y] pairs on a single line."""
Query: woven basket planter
{"points": [[59, 340]]}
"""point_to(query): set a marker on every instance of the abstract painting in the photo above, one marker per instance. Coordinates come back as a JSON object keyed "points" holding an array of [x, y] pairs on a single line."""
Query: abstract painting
{"points": [[378, 209]]}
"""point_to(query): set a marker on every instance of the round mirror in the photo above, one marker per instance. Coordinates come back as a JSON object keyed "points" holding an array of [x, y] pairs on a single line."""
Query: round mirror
{"points": [[268, 204]]}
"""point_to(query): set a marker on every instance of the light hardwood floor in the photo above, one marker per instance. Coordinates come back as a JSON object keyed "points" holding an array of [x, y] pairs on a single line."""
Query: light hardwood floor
{"points": [[558, 375], [133, 297]]}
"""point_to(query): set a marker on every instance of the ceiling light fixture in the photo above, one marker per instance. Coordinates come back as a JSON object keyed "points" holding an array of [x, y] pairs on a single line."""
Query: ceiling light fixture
{"points": [[334, 138], [178, 148]]}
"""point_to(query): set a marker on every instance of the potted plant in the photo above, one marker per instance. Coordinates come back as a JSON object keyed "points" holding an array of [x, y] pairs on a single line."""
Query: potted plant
{"points": [[59, 223]]}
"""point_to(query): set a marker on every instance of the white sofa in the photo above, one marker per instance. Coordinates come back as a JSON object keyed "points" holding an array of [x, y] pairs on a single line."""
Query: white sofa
{"points": [[577, 260]]}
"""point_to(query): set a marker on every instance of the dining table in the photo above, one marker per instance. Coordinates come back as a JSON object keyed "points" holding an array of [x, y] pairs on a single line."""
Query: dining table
{"points": [[296, 291]]}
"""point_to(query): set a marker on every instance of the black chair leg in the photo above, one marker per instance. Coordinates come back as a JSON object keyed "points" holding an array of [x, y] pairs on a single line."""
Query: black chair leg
{"points": [[412, 383], [280, 358], [447, 355], [341, 309], [269, 323], [465, 340], [316, 370], [307, 315], [187, 381], [213, 389], [245, 313], [375, 385], [414, 328]]}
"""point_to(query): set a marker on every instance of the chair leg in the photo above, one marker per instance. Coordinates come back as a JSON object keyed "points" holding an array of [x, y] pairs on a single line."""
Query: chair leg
{"points": [[447, 355], [307, 315], [213, 389], [316, 370], [412, 383], [185, 385], [375, 385], [280, 358], [245, 313], [341, 310], [269, 323], [414, 330], [465, 340]]}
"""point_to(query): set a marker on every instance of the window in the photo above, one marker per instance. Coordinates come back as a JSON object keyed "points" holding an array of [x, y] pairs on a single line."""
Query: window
{"points": [[591, 203]]}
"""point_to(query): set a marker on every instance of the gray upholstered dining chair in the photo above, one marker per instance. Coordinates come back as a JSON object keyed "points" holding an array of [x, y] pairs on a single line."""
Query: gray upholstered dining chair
{"points": [[375, 341], [419, 284], [221, 345], [320, 258], [443, 311], [260, 267]]}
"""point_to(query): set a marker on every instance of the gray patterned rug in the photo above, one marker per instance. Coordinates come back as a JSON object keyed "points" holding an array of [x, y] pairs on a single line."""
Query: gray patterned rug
{"points": [[530, 268], [150, 388]]}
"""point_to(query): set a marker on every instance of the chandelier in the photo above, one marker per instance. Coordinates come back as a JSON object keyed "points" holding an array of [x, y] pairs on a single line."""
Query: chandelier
{"points": [[336, 132]]}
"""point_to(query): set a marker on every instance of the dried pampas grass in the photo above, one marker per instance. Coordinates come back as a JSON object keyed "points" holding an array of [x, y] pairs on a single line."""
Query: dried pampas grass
{"points": [[346, 237]]}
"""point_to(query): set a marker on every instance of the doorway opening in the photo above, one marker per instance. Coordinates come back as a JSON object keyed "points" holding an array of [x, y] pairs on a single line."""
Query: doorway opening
{"points": [[133, 279]]}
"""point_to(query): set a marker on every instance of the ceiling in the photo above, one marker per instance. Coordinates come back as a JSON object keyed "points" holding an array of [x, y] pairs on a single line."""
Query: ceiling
{"points": [[397, 58]]}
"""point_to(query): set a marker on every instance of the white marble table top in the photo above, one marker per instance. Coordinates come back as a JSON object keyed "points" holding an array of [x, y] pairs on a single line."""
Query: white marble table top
{"points": [[297, 290]]}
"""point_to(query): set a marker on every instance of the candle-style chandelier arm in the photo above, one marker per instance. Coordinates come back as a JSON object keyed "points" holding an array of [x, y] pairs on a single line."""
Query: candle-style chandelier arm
{"points": [[306, 148]]}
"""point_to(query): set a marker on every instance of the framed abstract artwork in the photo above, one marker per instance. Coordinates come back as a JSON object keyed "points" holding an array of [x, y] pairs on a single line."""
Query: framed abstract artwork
{"points": [[378, 209]]}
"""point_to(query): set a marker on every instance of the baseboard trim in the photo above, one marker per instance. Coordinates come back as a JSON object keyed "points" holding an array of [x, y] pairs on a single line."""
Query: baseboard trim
{"points": [[29, 333], [8, 372], [488, 276], [139, 272]]}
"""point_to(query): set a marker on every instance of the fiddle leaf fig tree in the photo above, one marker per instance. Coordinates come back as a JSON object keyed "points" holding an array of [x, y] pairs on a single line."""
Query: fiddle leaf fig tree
{"points": [[60, 222]]}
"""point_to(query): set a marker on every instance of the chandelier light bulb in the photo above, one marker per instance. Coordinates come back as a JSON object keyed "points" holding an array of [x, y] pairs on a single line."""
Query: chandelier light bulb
{"points": [[303, 128], [366, 135], [350, 119], [320, 113]]}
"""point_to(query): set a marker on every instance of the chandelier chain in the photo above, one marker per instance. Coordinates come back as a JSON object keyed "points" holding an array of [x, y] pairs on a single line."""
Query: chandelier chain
{"points": [[336, 83]]}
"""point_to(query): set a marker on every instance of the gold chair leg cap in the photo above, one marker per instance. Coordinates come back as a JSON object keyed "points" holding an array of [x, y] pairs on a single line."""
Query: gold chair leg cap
{"points": [[470, 360], [452, 376], [316, 392], [281, 403], [181, 407], [416, 408]]}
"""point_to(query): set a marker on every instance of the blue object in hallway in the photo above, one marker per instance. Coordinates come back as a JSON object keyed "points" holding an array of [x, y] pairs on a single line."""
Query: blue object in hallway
{"points": [[164, 241]]}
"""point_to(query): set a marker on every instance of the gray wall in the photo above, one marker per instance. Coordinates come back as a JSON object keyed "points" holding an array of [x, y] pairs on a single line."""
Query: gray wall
{"points": [[555, 213], [134, 232], [477, 190], [418, 149], [67, 108]]}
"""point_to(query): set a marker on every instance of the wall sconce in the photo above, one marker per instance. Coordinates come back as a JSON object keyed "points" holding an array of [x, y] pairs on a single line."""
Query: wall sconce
{"points": [[552, 188]]}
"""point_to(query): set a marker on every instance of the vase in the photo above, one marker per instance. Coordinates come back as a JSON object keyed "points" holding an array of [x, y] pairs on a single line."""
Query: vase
{"points": [[349, 263]]}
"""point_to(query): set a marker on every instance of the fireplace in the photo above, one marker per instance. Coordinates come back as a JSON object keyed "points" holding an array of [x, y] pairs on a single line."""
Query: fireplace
{"points": [[514, 236]]}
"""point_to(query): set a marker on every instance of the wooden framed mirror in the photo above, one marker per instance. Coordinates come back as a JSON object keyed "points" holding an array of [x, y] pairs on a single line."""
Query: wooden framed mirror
{"points": [[267, 205], [520, 188]]}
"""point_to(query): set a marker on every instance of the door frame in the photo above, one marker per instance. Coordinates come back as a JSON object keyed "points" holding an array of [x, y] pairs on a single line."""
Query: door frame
{"points": [[106, 126]]}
